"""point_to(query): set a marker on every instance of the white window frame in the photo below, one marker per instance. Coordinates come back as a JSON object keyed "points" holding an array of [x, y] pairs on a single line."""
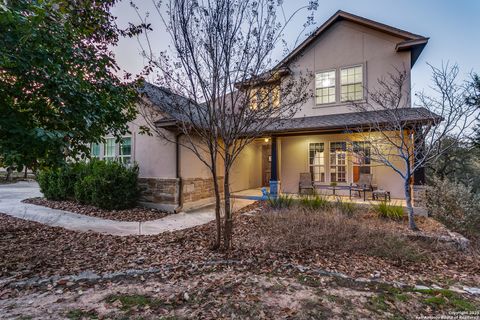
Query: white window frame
{"points": [[259, 98], [106, 156], [121, 157], [364, 158], [322, 165], [336, 162], [344, 96], [99, 145], [326, 87]]}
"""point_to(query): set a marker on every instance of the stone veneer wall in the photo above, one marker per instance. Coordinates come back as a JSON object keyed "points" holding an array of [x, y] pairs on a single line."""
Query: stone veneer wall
{"points": [[419, 196], [165, 191], [196, 189], [157, 190]]}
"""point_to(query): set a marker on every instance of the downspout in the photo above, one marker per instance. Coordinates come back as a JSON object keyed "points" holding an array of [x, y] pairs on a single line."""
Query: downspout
{"points": [[178, 174]]}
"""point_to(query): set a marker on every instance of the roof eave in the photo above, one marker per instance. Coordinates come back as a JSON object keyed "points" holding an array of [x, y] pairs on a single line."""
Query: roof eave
{"points": [[415, 46]]}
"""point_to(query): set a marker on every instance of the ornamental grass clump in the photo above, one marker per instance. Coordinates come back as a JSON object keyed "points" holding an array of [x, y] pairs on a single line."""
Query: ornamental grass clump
{"points": [[388, 211], [345, 207], [280, 202], [314, 202]]}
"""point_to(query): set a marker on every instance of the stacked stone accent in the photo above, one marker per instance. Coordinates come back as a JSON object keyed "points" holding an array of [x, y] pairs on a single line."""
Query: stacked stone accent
{"points": [[165, 191], [419, 196], [156, 190], [196, 189]]}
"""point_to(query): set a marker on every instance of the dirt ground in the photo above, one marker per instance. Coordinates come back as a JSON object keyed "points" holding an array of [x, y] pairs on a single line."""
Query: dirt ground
{"points": [[234, 294], [271, 273]]}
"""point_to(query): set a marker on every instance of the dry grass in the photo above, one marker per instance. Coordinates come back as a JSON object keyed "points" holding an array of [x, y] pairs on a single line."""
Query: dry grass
{"points": [[307, 230]]}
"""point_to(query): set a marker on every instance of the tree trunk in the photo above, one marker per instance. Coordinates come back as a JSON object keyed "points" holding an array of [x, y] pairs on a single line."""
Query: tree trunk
{"points": [[408, 199], [8, 177], [227, 231], [25, 175], [218, 203]]}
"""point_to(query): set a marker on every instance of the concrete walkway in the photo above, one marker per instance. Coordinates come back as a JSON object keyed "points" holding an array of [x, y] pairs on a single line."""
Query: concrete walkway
{"points": [[11, 196]]}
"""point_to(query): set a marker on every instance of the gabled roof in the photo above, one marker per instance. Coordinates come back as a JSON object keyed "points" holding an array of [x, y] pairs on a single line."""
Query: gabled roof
{"points": [[168, 103], [413, 42]]}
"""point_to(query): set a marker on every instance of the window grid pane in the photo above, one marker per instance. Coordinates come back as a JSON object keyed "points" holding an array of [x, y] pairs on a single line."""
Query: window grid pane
{"points": [[126, 150], [325, 87], [95, 150], [109, 152], [317, 161], [361, 159], [351, 84], [338, 162]]}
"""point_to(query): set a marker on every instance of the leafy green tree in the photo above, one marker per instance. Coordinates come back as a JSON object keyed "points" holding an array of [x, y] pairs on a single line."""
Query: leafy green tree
{"points": [[459, 164], [474, 100], [59, 88]]}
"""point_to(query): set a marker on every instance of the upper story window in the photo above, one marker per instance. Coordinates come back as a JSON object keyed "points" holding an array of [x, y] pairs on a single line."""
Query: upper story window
{"points": [[265, 96], [351, 83], [325, 87]]}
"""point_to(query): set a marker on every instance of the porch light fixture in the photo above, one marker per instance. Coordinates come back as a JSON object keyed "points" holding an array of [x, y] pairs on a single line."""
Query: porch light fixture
{"points": [[266, 139]]}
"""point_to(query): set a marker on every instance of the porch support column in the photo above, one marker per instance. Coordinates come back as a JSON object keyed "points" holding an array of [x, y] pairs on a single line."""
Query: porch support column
{"points": [[274, 183], [419, 145]]}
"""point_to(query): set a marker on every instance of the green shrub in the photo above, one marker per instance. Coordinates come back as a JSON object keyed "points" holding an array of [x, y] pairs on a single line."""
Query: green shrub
{"points": [[314, 202], [108, 185], [280, 202], [455, 205], [389, 211], [58, 184], [47, 180]]}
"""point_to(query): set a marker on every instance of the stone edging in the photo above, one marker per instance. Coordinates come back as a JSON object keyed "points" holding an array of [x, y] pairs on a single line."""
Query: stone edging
{"points": [[92, 277]]}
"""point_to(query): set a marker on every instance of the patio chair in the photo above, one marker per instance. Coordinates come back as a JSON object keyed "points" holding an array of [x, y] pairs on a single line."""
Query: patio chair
{"points": [[363, 184], [306, 183]]}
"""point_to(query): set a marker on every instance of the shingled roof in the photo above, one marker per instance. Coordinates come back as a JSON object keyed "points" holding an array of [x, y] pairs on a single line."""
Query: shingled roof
{"points": [[168, 103], [352, 120]]}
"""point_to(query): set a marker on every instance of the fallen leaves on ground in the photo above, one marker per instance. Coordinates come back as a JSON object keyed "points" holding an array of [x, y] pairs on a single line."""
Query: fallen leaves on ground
{"points": [[135, 214], [31, 249]]}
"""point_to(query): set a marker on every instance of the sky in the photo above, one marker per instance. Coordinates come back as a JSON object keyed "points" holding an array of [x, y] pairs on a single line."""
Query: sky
{"points": [[453, 27]]}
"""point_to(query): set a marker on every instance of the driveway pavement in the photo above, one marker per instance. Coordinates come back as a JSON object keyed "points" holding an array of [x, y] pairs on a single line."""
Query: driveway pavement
{"points": [[11, 196]]}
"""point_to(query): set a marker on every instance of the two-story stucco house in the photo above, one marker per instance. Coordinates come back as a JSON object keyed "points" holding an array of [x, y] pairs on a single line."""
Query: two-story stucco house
{"points": [[348, 54]]}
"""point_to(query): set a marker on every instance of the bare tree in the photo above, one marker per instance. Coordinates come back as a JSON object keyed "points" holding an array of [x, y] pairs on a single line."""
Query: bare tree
{"points": [[408, 140], [221, 62]]}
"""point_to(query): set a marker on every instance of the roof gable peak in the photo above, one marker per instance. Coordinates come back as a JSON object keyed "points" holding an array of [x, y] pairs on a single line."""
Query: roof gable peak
{"points": [[411, 41]]}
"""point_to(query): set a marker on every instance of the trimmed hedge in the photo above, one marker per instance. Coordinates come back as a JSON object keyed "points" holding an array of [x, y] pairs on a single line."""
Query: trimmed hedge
{"points": [[107, 185]]}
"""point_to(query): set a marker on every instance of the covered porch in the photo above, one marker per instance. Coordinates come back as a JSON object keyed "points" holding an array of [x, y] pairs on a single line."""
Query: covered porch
{"points": [[256, 193], [323, 148]]}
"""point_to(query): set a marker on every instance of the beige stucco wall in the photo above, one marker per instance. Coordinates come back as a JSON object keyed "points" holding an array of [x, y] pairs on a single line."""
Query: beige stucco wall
{"points": [[246, 172], [155, 156], [347, 44], [342, 45], [294, 160]]}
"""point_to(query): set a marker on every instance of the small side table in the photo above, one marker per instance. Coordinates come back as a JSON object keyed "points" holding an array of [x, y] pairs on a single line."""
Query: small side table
{"points": [[376, 194]]}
